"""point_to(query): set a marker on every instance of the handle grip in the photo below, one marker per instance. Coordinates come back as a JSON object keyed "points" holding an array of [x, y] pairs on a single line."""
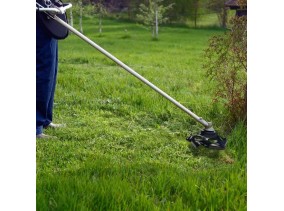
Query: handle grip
{"points": [[58, 10]]}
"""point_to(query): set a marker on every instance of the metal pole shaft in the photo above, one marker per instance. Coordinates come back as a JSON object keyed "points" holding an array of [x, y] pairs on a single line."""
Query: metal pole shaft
{"points": [[207, 125]]}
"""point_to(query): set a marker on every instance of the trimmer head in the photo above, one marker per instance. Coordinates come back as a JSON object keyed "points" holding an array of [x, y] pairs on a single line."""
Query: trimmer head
{"points": [[209, 139]]}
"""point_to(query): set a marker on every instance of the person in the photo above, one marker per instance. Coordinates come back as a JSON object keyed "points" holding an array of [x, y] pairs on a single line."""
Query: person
{"points": [[46, 76]]}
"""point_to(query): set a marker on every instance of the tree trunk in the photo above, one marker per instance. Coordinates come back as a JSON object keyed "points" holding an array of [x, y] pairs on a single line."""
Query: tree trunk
{"points": [[156, 24], [224, 18], [195, 21], [100, 25], [71, 17], [80, 18], [196, 5]]}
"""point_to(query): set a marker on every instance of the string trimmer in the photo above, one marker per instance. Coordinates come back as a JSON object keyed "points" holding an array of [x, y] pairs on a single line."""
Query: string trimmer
{"points": [[54, 13]]}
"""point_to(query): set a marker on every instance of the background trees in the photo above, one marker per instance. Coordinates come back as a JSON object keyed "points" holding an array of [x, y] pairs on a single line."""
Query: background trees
{"points": [[184, 11]]}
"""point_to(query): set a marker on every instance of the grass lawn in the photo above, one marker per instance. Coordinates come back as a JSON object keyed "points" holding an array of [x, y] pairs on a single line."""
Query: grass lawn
{"points": [[124, 146]]}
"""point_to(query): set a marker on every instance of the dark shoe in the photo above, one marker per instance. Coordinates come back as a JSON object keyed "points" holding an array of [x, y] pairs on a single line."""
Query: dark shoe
{"points": [[44, 136], [52, 125]]}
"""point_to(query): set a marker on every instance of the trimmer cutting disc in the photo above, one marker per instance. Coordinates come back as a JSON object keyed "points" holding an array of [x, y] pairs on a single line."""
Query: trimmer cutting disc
{"points": [[209, 139]]}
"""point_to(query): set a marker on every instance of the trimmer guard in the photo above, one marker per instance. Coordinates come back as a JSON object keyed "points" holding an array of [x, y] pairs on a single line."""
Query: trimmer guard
{"points": [[209, 139]]}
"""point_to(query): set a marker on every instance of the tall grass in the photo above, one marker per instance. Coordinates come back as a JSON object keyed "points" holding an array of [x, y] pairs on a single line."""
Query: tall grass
{"points": [[124, 145]]}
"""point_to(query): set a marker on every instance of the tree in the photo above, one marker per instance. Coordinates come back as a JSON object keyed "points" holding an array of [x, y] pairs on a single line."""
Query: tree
{"points": [[219, 7], [153, 14], [71, 16], [101, 10], [81, 16], [77, 9], [195, 14]]}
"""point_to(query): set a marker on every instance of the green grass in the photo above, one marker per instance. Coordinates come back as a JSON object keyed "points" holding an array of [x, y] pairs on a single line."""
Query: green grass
{"points": [[124, 145]]}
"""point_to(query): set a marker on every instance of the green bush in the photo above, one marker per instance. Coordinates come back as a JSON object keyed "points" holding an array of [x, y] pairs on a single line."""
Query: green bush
{"points": [[226, 63]]}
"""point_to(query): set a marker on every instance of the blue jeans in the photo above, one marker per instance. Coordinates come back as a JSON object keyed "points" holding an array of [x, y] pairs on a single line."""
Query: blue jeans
{"points": [[46, 73]]}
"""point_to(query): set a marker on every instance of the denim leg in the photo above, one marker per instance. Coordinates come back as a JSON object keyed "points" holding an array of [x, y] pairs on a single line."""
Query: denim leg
{"points": [[49, 114], [46, 69]]}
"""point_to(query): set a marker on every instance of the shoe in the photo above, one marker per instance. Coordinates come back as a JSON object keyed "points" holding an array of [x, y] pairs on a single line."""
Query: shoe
{"points": [[44, 136], [52, 125]]}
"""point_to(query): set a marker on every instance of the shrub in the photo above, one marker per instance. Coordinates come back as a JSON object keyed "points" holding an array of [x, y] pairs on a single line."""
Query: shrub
{"points": [[226, 64]]}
